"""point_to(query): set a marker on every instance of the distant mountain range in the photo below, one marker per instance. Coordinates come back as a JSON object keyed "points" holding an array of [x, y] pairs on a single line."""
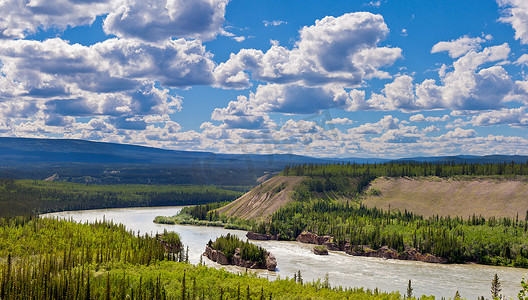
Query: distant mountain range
{"points": [[85, 161]]}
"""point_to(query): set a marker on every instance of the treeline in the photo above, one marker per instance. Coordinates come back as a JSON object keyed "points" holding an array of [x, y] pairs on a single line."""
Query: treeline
{"points": [[248, 251], [203, 212], [495, 241], [23, 197], [408, 169], [43, 258]]}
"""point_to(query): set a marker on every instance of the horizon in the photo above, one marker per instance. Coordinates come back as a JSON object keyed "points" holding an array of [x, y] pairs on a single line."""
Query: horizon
{"points": [[264, 154], [370, 79]]}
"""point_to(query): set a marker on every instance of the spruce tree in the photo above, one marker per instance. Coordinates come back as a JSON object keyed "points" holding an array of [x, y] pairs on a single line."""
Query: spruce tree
{"points": [[409, 290], [457, 296], [495, 287]]}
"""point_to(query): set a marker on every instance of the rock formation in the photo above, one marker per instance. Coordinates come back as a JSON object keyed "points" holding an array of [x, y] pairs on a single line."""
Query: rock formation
{"points": [[270, 262], [365, 250], [262, 237]]}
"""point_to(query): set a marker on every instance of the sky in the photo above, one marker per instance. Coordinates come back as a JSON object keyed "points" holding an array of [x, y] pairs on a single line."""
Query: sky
{"points": [[387, 78]]}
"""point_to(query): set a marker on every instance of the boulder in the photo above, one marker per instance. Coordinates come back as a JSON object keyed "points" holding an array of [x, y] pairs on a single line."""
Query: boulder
{"points": [[271, 262], [332, 246], [307, 237], [221, 258], [216, 256], [323, 239], [261, 236], [318, 250]]}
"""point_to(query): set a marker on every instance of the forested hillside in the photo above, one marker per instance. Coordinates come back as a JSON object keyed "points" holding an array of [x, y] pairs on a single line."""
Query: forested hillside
{"points": [[328, 202], [23, 197], [57, 259]]}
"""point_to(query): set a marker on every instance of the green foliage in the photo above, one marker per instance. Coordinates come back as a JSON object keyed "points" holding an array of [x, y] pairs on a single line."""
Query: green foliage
{"points": [[494, 241], [22, 197], [248, 251], [206, 215], [409, 290], [407, 169], [57, 259]]}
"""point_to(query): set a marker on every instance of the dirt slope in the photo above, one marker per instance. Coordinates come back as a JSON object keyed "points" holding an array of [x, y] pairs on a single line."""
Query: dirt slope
{"points": [[431, 196], [265, 199]]}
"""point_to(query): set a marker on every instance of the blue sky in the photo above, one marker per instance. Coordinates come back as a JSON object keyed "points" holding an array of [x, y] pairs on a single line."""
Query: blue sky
{"points": [[321, 78]]}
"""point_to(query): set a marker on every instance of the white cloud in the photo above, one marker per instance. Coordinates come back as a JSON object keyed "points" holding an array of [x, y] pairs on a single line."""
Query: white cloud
{"points": [[241, 114], [430, 129], [459, 133], [274, 23], [154, 20], [467, 87], [459, 47], [515, 12], [157, 20], [56, 68], [339, 50], [522, 60], [387, 123], [340, 121], [422, 118], [406, 134], [18, 18], [294, 99], [513, 117], [239, 39], [374, 3]]}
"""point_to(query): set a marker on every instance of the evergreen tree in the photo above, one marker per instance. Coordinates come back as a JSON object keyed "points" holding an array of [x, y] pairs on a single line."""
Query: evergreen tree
{"points": [[183, 286], [457, 296], [409, 290], [299, 277], [495, 287]]}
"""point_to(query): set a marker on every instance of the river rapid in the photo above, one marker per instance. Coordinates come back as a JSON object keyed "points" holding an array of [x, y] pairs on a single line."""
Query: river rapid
{"points": [[344, 270]]}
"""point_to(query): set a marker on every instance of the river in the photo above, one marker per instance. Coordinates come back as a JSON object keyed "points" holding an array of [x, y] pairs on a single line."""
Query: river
{"points": [[439, 280]]}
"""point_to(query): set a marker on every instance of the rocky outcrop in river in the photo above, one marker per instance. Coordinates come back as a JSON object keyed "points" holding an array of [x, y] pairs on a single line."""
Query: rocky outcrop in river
{"points": [[365, 250], [262, 237], [217, 256]]}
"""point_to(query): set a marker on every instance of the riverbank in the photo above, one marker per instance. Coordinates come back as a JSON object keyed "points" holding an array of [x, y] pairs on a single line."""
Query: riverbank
{"points": [[440, 280], [384, 251]]}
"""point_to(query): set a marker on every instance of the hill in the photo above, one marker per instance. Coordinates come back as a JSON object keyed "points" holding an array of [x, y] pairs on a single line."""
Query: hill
{"points": [[108, 163], [458, 196], [263, 200]]}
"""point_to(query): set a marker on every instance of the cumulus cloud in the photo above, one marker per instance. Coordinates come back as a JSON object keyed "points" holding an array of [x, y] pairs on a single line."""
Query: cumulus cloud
{"points": [[295, 99], [124, 80], [513, 117], [162, 19], [22, 17], [340, 121], [388, 122], [468, 86], [460, 46], [241, 114], [515, 12], [145, 20], [55, 68], [522, 60], [407, 134], [459, 133], [422, 118], [339, 50]]}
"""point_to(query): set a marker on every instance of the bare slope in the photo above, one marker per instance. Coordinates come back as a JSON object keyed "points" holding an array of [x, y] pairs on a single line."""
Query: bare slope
{"points": [[265, 199], [431, 196]]}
